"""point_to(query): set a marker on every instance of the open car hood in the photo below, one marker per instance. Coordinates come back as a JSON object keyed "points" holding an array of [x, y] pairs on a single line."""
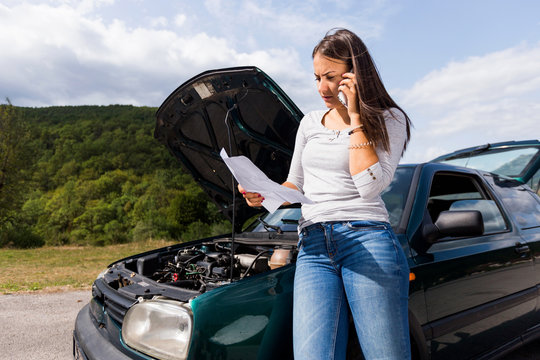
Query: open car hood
{"points": [[262, 124], [516, 159]]}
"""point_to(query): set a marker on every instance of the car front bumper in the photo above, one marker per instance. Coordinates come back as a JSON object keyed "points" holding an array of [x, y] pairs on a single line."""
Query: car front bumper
{"points": [[90, 342]]}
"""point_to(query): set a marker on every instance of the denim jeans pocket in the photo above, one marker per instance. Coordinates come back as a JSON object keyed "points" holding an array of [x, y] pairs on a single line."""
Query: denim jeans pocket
{"points": [[363, 225]]}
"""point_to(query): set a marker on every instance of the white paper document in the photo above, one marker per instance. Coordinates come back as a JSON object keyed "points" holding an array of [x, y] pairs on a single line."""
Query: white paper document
{"points": [[253, 179]]}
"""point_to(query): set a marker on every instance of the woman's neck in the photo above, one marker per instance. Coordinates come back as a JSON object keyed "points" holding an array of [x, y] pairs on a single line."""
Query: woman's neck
{"points": [[336, 119]]}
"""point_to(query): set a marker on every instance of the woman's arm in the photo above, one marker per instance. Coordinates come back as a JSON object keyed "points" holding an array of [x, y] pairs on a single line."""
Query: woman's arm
{"points": [[362, 154], [372, 169], [371, 178]]}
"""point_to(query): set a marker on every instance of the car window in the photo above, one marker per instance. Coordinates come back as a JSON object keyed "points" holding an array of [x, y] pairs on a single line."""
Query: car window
{"points": [[506, 162], [493, 220], [454, 192], [522, 203]]}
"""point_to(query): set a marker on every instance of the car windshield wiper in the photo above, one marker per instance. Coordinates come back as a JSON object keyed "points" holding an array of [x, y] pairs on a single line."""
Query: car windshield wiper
{"points": [[267, 226], [290, 221]]}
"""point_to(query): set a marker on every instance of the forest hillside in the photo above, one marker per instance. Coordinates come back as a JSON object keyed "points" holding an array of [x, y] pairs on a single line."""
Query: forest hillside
{"points": [[94, 175]]}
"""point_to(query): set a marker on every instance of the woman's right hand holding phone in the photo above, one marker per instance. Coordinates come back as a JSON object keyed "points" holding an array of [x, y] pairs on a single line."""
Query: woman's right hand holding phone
{"points": [[347, 87], [252, 199]]}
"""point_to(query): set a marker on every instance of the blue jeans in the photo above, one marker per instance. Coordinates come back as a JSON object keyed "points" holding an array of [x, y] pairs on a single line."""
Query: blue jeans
{"points": [[358, 265]]}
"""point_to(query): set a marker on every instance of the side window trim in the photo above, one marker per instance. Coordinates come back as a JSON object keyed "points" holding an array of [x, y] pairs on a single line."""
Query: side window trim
{"points": [[485, 191], [498, 201]]}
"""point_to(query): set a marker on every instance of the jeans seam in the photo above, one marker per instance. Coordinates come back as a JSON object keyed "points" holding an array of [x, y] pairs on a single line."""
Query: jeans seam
{"points": [[335, 249], [328, 240], [336, 326], [399, 272], [396, 253]]}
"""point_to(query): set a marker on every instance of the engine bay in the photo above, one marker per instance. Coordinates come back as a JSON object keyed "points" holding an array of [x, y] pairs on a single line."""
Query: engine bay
{"points": [[200, 267]]}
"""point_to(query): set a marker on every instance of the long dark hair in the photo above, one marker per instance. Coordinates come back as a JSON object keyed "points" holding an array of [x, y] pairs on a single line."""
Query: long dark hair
{"points": [[373, 99]]}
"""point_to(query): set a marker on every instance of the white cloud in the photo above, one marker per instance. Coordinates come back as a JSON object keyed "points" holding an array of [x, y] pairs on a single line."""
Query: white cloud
{"points": [[61, 56], [479, 100], [83, 6], [509, 72], [298, 22], [159, 21], [180, 19]]}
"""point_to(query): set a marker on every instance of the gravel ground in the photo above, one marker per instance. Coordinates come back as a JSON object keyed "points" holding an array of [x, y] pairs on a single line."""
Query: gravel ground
{"points": [[39, 326]]}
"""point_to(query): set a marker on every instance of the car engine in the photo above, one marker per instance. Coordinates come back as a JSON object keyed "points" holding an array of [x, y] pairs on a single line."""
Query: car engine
{"points": [[207, 265]]}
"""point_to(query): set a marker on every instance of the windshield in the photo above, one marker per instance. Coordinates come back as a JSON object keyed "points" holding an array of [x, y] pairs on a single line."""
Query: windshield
{"points": [[285, 218], [508, 162], [394, 197]]}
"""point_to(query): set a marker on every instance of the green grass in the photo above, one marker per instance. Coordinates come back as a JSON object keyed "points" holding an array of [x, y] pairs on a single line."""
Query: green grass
{"points": [[61, 268]]}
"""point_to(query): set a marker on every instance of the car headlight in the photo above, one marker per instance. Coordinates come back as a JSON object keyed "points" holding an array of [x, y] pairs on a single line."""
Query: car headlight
{"points": [[160, 328]]}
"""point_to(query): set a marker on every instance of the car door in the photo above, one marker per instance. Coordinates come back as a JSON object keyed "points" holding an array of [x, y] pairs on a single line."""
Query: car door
{"points": [[479, 291], [524, 207]]}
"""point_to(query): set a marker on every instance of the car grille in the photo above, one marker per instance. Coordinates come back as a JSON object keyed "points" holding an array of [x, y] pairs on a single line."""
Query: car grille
{"points": [[115, 304]]}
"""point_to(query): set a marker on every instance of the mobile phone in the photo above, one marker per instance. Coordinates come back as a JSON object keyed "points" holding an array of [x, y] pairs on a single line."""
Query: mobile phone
{"points": [[342, 98]]}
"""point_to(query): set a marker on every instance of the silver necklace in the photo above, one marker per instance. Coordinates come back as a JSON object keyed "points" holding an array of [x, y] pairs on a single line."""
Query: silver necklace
{"points": [[335, 135]]}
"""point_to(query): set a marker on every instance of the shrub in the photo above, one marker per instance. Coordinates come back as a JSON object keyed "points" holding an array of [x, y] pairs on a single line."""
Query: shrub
{"points": [[196, 230], [22, 238]]}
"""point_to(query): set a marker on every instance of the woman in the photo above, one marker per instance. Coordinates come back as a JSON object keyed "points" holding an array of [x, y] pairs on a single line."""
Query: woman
{"points": [[348, 254]]}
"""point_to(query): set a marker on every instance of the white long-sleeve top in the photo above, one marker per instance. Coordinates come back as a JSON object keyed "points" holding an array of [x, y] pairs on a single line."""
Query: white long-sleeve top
{"points": [[320, 169]]}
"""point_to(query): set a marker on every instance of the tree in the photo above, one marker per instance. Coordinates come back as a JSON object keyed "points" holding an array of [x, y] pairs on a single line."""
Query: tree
{"points": [[14, 161], [96, 175]]}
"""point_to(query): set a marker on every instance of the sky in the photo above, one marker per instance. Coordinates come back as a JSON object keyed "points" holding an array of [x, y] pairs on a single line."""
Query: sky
{"points": [[467, 72]]}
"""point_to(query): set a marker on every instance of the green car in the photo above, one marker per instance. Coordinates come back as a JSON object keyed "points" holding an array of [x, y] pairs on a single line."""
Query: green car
{"points": [[472, 239]]}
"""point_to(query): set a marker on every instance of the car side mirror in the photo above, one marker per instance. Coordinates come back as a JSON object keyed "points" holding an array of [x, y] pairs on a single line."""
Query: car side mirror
{"points": [[460, 223], [449, 223]]}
